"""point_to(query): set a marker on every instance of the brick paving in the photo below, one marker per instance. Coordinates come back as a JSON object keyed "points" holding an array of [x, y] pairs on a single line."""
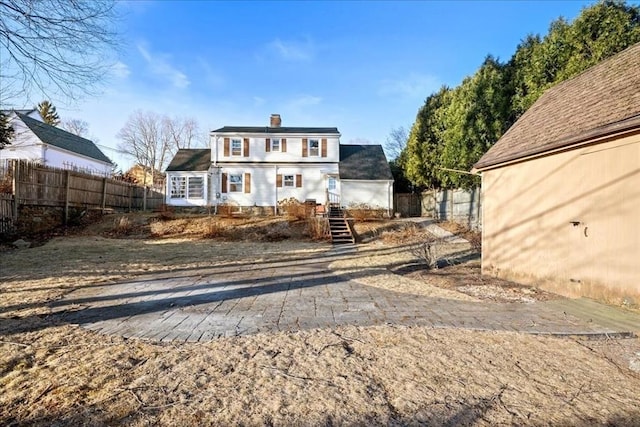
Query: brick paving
{"points": [[302, 294]]}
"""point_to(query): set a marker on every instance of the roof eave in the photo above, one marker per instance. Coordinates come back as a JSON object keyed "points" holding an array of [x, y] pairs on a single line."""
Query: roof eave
{"points": [[592, 136]]}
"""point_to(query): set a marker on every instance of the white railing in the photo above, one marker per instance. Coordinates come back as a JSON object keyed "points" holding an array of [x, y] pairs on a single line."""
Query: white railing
{"points": [[333, 198]]}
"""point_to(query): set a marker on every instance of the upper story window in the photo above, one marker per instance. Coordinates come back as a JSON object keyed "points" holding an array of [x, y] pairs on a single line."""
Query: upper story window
{"points": [[314, 147], [288, 181], [236, 147], [275, 144]]}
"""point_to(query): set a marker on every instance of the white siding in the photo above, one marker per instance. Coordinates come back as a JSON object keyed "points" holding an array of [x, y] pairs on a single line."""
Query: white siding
{"points": [[25, 145], [375, 194], [258, 153], [59, 158], [263, 183]]}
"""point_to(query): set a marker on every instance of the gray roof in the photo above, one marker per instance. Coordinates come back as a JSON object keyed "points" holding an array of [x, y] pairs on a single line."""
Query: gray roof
{"points": [[366, 162], [191, 159], [601, 100], [62, 139], [275, 130]]}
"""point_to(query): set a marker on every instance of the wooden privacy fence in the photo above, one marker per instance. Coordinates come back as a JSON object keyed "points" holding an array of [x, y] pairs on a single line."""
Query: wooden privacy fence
{"points": [[6, 213], [37, 185]]}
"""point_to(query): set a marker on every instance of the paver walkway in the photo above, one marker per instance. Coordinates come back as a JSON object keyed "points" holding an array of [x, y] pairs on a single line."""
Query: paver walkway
{"points": [[302, 294]]}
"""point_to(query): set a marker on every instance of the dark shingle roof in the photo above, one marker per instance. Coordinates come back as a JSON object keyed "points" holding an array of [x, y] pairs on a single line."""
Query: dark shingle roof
{"points": [[191, 160], [62, 139], [366, 162], [274, 130], [603, 99]]}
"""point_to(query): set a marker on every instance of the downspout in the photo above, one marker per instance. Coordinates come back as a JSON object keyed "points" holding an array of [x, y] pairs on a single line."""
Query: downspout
{"points": [[389, 197], [216, 173], [275, 202]]}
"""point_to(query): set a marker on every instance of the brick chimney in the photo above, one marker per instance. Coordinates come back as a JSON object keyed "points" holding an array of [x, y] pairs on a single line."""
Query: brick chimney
{"points": [[276, 121]]}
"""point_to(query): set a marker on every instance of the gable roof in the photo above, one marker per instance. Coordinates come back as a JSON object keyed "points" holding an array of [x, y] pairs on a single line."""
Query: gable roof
{"points": [[366, 162], [191, 159], [62, 139], [275, 130], [601, 100]]}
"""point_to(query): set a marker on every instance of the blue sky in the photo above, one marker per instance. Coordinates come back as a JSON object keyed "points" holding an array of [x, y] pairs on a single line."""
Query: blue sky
{"points": [[364, 67]]}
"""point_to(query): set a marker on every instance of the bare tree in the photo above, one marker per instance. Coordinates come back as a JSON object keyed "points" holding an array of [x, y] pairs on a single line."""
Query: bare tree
{"points": [[54, 45], [396, 141], [182, 133], [143, 140], [76, 126], [151, 139]]}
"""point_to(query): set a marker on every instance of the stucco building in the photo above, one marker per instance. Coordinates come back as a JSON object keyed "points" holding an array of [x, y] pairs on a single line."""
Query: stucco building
{"points": [[561, 188]]}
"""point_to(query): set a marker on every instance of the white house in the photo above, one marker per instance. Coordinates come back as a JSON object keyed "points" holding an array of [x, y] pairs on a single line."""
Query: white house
{"points": [[262, 166], [37, 141]]}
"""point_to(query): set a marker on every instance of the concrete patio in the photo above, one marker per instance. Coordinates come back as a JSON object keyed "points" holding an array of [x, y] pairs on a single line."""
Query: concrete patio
{"points": [[303, 294]]}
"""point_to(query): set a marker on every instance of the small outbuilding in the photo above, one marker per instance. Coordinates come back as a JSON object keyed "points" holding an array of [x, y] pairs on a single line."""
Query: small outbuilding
{"points": [[561, 188]]}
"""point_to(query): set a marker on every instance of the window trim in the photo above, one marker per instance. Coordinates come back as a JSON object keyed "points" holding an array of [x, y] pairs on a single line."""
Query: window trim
{"points": [[289, 183], [181, 187], [231, 148], [180, 192], [200, 194], [330, 181], [309, 152], [235, 189]]}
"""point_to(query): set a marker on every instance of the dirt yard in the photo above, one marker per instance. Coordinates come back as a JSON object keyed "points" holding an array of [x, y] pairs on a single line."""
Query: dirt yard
{"points": [[60, 374]]}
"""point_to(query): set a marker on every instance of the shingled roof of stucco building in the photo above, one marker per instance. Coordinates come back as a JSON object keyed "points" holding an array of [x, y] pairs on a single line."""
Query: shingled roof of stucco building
{"points": [[600, 101]]}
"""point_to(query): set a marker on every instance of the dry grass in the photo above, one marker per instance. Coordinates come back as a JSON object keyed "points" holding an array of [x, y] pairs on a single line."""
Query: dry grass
{"points": [[60, 374]]}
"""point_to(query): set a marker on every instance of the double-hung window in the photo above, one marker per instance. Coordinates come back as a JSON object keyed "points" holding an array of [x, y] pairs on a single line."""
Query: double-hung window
{"points": [[235, 183], [288, 180], [236, 147], [314, 147], [275, 144]]}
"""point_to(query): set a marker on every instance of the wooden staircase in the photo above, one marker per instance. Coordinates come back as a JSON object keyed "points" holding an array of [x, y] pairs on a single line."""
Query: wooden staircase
{"points": [[340, 231]]}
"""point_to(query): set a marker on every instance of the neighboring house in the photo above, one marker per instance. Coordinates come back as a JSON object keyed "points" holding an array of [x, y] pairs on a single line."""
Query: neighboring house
{"points": [[264, 166], [561, 188], [37, 141]]}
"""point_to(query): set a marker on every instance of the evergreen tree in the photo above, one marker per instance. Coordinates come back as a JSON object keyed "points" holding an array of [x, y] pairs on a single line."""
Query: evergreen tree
{"points": [[455, 127], [6, 131], [48, 113]]}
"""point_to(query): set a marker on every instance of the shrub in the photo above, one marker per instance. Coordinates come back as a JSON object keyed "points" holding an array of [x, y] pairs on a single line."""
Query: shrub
{"points": [[427, 251], [226, 210], [166, 213], [318, 228], [363, 212], [213, 229], [475, 238], [296, 209], [122, 225]]}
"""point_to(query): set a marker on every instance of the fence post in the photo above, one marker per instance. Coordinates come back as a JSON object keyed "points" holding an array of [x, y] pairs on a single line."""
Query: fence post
{"points": [[16, 185], [130, 196], [66, 196], [144, 199], [104, 195]]}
